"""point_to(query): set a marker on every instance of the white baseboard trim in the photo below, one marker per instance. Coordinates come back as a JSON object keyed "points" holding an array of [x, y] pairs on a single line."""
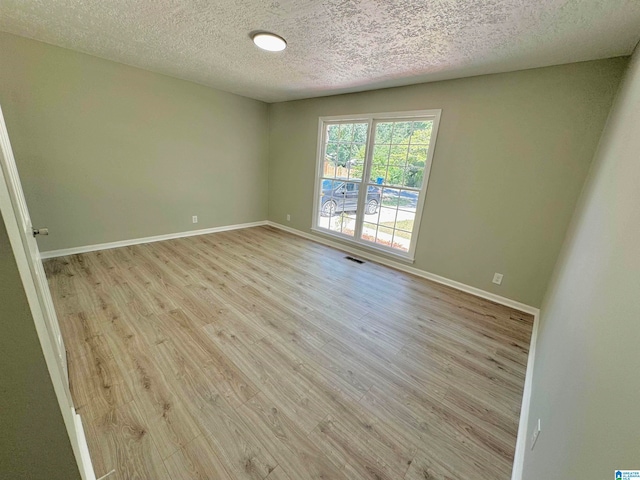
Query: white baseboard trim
{"points": [[521, 442], [523, 425], [137, 241], [415, 271]]}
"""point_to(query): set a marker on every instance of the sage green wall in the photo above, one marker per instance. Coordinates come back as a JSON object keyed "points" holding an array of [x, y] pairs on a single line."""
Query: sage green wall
{"points": [[586, 385], [33, 438], [109, 152], [512, 154]]}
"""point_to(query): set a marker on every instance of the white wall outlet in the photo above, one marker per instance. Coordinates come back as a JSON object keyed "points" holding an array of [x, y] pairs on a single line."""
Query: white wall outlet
{"points": [[194, 219], [288, 217], [497, 278], [535, 434]]}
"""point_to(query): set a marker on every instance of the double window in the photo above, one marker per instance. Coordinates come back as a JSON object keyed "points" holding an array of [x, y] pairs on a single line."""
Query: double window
{"points": [[372, 176]]}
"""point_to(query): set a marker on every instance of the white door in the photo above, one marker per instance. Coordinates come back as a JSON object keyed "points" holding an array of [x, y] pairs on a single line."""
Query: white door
{"points": [[25, 249], [16, 202]]}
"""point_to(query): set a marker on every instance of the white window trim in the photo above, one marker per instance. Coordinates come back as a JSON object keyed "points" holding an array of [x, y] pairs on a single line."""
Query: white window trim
{"points": [[371, 119]]}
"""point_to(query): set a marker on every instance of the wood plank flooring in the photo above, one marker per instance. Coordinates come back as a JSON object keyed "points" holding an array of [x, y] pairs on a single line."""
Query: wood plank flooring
{"points": [[256, 354]]}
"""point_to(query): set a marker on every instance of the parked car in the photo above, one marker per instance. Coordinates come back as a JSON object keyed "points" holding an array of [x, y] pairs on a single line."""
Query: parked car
{"points": [[342, 196]]}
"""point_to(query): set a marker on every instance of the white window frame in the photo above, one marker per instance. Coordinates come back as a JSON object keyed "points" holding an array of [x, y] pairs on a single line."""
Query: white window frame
{"points": [[371, 119]]}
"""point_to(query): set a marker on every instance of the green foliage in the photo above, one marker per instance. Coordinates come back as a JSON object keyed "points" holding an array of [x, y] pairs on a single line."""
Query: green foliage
{"points": [[399, 153], [346, 144]]}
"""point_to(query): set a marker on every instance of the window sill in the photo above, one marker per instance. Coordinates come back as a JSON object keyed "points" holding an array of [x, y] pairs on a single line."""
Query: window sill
{"points": [[367, 246]]}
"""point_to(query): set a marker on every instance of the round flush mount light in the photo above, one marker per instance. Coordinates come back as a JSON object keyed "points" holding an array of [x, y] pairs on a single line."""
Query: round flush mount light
{"points": [[269, 41]]}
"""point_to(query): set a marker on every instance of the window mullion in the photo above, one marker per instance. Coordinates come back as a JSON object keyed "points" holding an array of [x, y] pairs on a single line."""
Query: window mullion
{"points": [[364, 183]]}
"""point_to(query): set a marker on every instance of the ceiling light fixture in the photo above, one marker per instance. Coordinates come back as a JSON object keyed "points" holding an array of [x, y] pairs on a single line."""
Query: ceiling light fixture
{"points": [[269, 41]]}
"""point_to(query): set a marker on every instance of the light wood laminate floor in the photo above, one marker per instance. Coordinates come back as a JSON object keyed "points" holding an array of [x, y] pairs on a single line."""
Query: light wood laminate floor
{"points": [[257, 354]]}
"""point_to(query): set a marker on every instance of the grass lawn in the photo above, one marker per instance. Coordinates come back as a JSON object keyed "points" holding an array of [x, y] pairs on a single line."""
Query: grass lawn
{"points": [[402, 225], [394, 202]]}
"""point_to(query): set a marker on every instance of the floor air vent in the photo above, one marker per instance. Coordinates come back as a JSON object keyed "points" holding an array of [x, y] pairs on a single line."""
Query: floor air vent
{"points": [[354, 259]]}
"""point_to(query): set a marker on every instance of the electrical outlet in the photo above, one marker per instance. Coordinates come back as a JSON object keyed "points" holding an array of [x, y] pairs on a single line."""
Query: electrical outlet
{"points": [[535, 435], [497, 278], [194, 219], [288, 217]]}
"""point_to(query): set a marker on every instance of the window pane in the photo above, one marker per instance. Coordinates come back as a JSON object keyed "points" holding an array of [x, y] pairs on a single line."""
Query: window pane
{"points": [[344, 155], [346, 132], [421, 133], [383, 132], [369, 231], [329, 197], [408, 200], [329, 168], [401, 133], [355, 170], [345, 150], [372, 204], [395, 176], [402, 240], [390, 197], [356, 162], [417, 154], [398, 155], [413, 176], [358, 151], [387, 217], [416, 162], [360, 133], [332, 133], [378, 174], [405, 220], [380, 162], [387, 220], [340, 222], [330, 157], [385, 236], [330, 186], [337, 205], [381, 154], [349, 198], [348, 223]]}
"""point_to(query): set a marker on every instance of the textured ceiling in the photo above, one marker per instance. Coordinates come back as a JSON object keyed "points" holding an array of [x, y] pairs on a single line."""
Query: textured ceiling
{"points": [[335, 46]]}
